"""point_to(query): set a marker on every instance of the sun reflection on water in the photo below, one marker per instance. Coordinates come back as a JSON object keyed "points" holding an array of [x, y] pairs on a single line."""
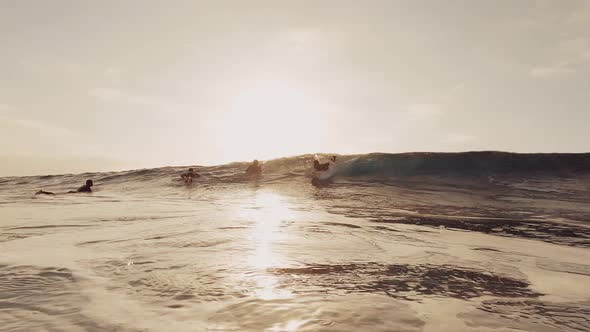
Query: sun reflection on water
{"points": [[269, 213], [289, 326]]}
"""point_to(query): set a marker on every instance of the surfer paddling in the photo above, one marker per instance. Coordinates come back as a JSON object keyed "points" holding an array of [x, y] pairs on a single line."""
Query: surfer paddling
{"points": [[86, 188]]}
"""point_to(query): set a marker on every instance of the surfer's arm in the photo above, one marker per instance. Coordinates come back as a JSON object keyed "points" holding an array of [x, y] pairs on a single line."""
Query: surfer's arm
{"points": [[43, 192]]}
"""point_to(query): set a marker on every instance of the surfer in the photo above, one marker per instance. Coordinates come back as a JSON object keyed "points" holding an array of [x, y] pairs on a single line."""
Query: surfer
{"points": [[189, 175], [87, 188], [254, 168], [325, 166]]}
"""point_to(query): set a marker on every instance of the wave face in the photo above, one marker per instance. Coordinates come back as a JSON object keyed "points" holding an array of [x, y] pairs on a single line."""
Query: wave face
{"points": [[470, 163], [365, 167]]}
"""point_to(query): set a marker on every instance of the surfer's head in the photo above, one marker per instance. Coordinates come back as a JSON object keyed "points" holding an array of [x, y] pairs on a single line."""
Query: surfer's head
{"points": [[191, 171], [334, 158], [89, 183], [255, 162]]}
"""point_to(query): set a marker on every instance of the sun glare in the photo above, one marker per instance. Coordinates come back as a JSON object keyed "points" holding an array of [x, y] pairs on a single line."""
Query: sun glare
{"points": [[267, 119]]}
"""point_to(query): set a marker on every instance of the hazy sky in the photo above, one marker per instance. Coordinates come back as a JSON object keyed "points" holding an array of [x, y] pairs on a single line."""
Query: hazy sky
{"points": [[125, 84]]}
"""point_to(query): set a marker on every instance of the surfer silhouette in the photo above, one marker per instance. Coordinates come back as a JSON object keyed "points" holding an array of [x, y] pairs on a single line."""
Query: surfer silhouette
{"points": [[254, 168], [324, 166], [86, 188], [189, 175]]}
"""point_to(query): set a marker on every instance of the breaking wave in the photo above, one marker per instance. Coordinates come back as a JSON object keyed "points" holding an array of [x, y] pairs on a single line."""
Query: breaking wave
{"points": [[485, 165]]}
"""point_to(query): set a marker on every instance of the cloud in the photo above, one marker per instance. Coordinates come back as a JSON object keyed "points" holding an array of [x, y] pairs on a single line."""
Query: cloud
{"points": [[572, 50], [554, 71], [106, 94], [566, 38], [572, 54], [75, 68], [580, 16], [113, 73], [120, 96], [301, 39], [45, 129], [5, 108], [9, 118], [424, 111], [568, 65]]}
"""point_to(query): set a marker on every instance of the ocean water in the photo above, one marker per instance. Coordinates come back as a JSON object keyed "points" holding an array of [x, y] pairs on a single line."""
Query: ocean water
{"points": [[412, 242]]}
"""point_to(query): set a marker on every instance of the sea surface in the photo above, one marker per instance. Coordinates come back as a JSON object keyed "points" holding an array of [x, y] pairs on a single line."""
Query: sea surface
{"points": [[482, 241]]}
